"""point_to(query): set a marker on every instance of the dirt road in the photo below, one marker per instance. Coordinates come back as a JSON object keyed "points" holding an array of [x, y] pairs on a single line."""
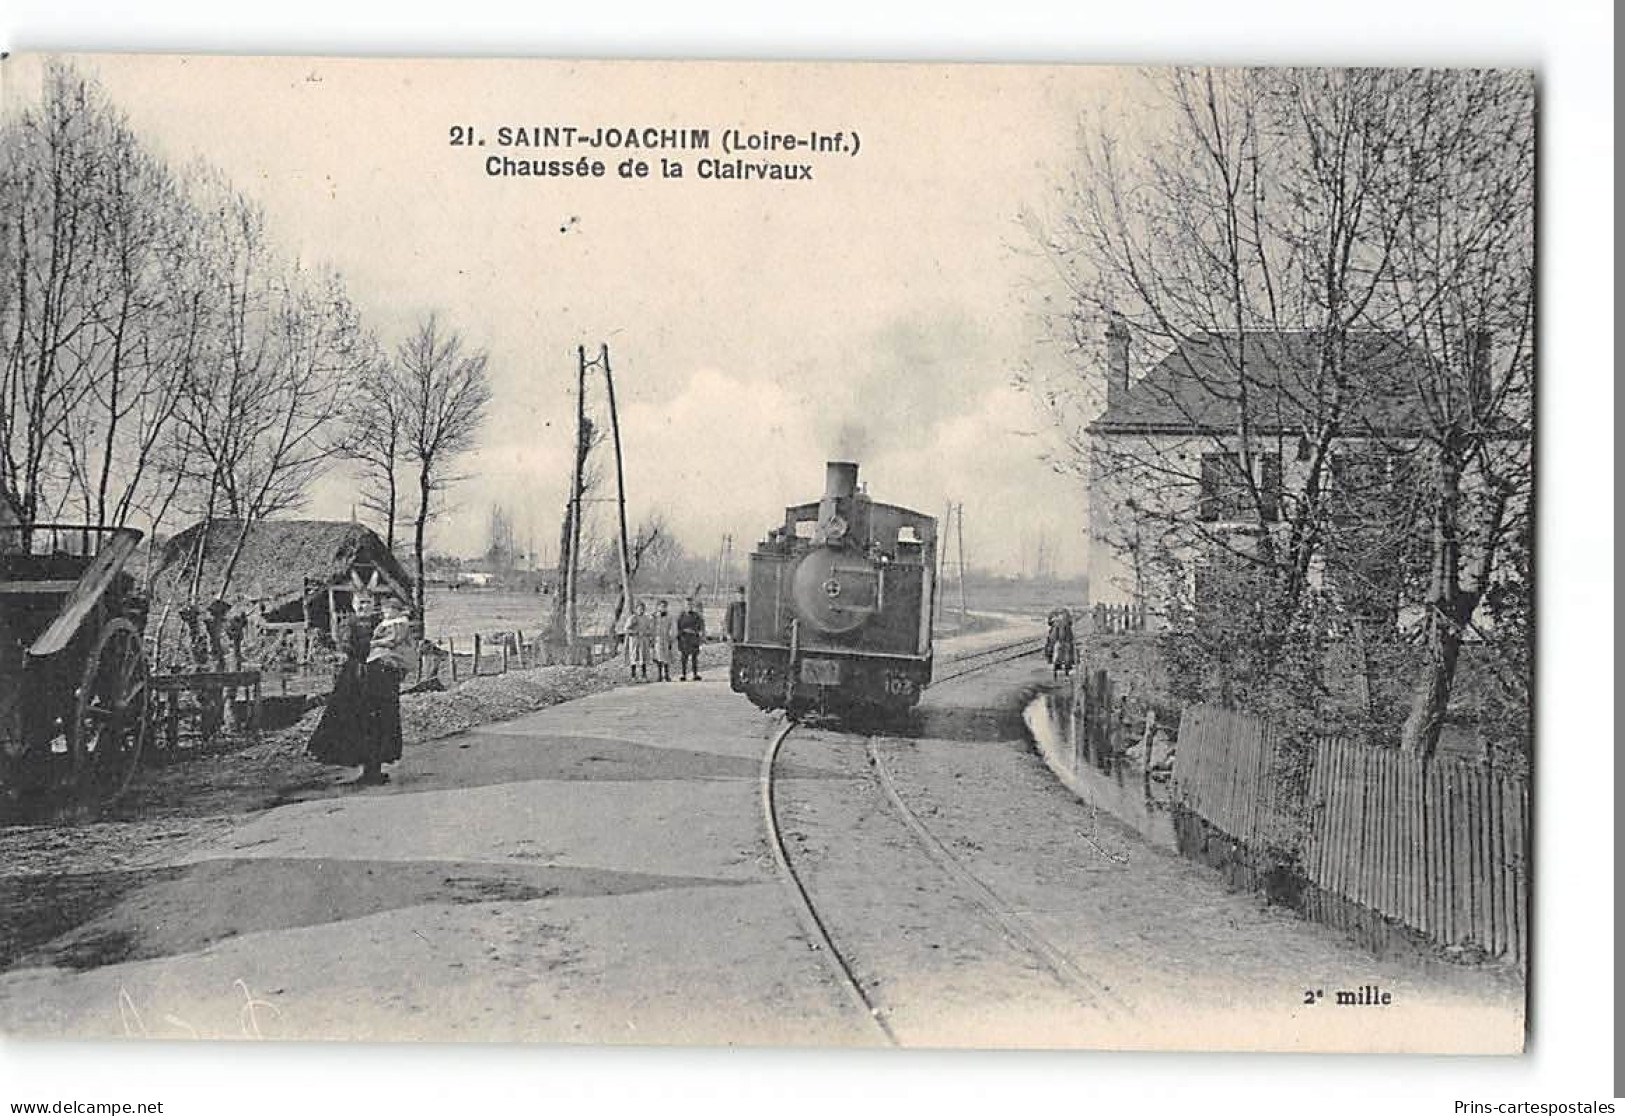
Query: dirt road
{"points": [[598, 872]]}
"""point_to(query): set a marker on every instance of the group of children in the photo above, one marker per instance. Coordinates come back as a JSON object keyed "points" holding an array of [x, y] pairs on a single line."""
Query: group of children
{"points": [[650, 637]]}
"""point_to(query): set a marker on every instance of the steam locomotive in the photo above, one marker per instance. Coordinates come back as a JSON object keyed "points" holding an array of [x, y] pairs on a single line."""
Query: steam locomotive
{"points": [[838, 606]]}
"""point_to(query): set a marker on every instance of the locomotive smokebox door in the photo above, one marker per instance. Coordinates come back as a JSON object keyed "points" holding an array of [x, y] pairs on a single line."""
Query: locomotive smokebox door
{"points": [[836, 592]]}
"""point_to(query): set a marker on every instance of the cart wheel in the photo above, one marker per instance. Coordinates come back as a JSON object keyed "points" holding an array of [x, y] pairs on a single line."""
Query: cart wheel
{"points": [[110, 714]]}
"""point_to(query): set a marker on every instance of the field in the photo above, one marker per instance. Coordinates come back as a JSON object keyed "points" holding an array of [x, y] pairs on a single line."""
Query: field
{"points": [[461, 614]]}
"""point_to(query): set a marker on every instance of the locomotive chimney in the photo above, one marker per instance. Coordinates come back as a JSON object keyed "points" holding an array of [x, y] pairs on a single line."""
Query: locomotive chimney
{"points": [[840, 479]]}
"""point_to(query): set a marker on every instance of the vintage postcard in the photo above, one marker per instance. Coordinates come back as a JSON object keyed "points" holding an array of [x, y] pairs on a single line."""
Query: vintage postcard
{"points": [[766, 553]]}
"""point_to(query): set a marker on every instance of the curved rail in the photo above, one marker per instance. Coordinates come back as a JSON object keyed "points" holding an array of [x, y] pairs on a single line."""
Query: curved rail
{"points": [[997, 911], [992, 905], [1015, 927], [808, 914]]}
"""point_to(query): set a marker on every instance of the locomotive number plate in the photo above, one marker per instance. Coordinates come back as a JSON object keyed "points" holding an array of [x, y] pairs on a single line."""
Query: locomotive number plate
{"points": [[899, 685], [821, 672]]}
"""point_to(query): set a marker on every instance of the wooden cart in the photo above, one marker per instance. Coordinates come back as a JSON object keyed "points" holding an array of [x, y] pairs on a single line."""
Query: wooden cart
{"points": [[73, 669]]}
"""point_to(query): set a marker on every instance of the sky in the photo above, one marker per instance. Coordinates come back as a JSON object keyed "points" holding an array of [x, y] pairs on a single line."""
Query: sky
{"points": [[877, 313]]}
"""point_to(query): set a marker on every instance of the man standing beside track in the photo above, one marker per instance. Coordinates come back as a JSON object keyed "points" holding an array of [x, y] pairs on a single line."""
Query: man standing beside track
{"points": [[690, 633]]}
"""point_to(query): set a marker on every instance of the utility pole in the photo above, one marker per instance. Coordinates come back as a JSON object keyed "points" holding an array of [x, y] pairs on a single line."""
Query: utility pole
{"points": [[571, 573], [960, 536], [724, 563], [620, 482], [953, 526]]}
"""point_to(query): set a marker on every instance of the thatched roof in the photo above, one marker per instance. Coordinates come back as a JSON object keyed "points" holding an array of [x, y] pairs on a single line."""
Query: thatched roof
{"points": [[279, 557]]}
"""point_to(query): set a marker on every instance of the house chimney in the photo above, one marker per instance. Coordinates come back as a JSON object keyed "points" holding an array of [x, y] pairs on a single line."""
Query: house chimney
{"points": [[1117, 339]]}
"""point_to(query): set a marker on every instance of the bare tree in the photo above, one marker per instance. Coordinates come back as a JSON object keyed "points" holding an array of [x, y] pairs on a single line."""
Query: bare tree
{"points": [[155, 351], [1306, 254], [265, 418], [143, 352], [1231, 240], [105, 310], [1463, 288], [375, 420], [445, 394], [651, 546], [48, 154]]}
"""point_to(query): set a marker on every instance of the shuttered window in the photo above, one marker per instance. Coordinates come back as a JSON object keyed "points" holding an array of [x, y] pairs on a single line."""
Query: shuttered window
{"points": [[1226, 496]]}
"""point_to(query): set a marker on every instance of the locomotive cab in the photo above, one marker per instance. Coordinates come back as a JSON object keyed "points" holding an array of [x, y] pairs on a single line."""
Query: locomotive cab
{"points": [[839, 604]]}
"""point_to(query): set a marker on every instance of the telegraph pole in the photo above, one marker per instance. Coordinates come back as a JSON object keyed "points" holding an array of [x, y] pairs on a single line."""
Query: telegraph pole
{"points": [[960, 537], [571, 573], [724, 562], [953, 526], [620, 484]]}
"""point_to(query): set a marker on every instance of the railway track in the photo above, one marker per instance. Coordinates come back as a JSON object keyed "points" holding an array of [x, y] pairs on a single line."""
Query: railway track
{"points": [[994, 910], [811, 920], [973, 661]]}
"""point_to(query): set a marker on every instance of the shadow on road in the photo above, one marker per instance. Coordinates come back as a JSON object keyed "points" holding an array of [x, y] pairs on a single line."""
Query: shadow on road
{"points": [[143, 914]]}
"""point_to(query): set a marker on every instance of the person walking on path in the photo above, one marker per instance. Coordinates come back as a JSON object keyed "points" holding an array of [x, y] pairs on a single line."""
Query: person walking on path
{"points": [[690, 633], [340, 734], [1060, 646], [735, 622], [638, 629], [386, 666], [662, 633]]}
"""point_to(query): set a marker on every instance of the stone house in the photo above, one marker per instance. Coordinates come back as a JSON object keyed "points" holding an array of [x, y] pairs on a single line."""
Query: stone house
{"points": [[1191, 462]]}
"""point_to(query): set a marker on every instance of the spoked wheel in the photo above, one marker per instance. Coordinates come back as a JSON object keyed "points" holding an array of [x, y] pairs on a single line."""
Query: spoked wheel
{"points": [[110, 714]]}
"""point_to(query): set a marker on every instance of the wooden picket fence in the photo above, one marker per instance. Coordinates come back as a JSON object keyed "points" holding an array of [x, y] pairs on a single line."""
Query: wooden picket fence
{"points": [[1226, 773], [1440, 847], [1118, 617], [454, 658]]}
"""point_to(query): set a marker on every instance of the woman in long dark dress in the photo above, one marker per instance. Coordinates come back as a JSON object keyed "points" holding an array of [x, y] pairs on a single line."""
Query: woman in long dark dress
{"points": [[338, 738], [386, 666]]}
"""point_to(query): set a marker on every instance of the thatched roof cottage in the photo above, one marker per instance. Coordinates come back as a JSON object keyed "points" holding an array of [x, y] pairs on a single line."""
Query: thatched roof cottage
{"points": [[291, 572]]}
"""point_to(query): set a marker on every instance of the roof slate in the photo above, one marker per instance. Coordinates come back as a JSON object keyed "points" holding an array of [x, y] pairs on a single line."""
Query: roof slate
{"points": [[1197, 386]]}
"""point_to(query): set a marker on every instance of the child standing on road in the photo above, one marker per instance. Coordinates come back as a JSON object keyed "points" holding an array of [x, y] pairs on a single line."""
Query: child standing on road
{"points": [[661, 634], [637, 630]]}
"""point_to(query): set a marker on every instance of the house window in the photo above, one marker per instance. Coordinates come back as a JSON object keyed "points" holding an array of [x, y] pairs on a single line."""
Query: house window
{"points": [[1269, 486], [1227, 497]]}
